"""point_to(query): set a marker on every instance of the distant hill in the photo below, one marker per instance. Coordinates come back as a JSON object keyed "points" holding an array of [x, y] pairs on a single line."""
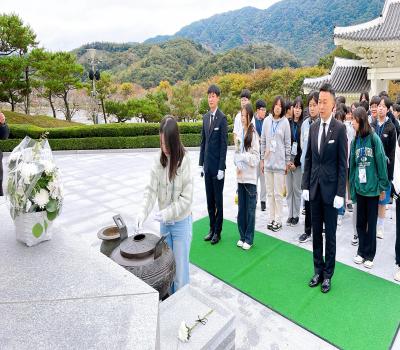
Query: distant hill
{"points": [[180, 59], [302, 27]]}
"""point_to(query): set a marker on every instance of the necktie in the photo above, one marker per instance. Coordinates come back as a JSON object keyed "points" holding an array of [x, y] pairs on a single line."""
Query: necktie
{"points": [[211, 121], [323, 137]]}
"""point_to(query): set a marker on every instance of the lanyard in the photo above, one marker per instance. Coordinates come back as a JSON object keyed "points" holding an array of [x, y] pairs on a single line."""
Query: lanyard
{"points": [[380, 129], [295, 131], [274, 127]]}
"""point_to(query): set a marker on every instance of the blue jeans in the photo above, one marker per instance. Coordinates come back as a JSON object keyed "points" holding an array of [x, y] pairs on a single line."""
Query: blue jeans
{"points": [[178, 238], [247, 194]]}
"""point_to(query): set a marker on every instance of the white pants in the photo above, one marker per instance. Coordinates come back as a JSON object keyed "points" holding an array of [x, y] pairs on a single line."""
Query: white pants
{"points": [[274, 183], [293, 186]]}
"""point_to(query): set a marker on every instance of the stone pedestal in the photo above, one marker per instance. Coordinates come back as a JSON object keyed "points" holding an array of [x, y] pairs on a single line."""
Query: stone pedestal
{"points": [[62, 294], [187, 304]]}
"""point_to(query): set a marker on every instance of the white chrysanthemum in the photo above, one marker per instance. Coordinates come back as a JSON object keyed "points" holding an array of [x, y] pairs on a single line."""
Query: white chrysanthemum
{"points": [[28, 170], [41, 198], [183, 332], [48, 166]]}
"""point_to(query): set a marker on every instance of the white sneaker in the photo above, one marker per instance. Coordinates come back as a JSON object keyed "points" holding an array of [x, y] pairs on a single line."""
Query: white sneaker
{"points": [[397, 274], [339, 220], [379, 232], [368, 264], [358, 259], [246, 246], [239, 243]]}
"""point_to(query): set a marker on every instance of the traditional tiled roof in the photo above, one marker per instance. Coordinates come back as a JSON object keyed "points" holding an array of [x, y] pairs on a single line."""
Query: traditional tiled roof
{"points": [[346, 76], [384, 28]]}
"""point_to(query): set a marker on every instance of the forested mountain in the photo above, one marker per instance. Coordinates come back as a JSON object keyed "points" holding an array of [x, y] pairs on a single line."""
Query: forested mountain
{"points": [[180, 59], [302, 27]]}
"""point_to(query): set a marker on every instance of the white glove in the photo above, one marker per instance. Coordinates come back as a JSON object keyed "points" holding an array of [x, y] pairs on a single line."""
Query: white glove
{"points": [[306, 195], [338, 202], [139, 222], [220, 175], [201, 171], [158, 217]]}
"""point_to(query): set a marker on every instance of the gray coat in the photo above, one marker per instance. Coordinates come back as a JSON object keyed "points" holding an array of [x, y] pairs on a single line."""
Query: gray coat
{"points": [[4, 133]]}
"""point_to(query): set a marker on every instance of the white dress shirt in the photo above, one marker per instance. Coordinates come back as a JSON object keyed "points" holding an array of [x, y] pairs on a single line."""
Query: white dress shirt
{"points": [[321, 128]]}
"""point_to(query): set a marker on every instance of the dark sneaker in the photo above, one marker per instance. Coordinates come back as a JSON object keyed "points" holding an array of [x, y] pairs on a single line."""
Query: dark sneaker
{"points": [[304, 238], [289, 221], [263, 207], [295, 221], [277, 226], [270, 224], [354, 241]]}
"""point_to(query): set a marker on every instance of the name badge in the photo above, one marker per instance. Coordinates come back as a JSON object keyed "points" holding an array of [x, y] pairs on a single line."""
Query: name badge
{"points": [[273, 146], [294, 149], [362, 175]]}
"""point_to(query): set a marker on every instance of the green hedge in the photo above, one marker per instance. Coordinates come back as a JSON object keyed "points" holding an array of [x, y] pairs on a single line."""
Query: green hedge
{"points": [[90, 143], [19, 131]]}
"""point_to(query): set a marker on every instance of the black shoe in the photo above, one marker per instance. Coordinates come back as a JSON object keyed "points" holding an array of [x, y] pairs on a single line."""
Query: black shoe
{"points": [[209, 236], [295, 221], [326, 285], [263, 207], [305, 237], [289, 221], [216, 238], [270, 224], [277, 226], [315, 281], [349, 207]]}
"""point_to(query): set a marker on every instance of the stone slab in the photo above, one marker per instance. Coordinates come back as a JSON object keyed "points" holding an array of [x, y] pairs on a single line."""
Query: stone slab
{"points": [[187, 304], [62, 294], [124, 322]]}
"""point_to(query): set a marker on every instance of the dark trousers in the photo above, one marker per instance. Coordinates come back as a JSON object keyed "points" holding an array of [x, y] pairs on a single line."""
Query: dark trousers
{"points": [[323, 213], [307, 226], [367, 216], [397, 248], [247, 194], [214, 189]]}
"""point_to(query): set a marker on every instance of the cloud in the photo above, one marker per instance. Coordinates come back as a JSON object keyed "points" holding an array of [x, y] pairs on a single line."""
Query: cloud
{"points": [[79, 21]]}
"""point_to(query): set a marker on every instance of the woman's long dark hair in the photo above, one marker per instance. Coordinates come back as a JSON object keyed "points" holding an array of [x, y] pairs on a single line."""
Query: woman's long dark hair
{"points": [[169, 128], [248, 138], [361, 116]]}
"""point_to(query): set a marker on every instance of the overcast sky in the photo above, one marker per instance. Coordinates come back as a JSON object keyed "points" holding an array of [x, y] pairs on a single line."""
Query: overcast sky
{"points": [[65, 25]]}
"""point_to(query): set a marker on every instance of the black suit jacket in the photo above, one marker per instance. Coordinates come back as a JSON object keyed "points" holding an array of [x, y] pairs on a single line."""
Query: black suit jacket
{"points": [[328, 169], [214, 143]]}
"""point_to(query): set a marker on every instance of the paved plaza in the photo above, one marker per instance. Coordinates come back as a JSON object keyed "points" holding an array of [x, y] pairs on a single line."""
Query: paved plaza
{"points": [[101, 184]]}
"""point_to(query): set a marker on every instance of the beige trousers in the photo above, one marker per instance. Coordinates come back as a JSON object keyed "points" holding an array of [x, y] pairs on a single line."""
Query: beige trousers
{"points": [[275, 184]]}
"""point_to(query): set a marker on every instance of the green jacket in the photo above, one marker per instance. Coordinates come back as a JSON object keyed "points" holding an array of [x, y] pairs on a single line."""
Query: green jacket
{"points": [[374, 160]]}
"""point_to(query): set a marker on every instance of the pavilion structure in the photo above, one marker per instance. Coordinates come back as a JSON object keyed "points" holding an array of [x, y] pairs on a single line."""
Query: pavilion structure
{"points": [[347, 77], [377, 43]]}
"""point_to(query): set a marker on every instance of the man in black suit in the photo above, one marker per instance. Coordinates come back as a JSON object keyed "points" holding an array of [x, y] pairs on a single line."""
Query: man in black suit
{"points": [[214, 144], [4, 133], [324, 184]]}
